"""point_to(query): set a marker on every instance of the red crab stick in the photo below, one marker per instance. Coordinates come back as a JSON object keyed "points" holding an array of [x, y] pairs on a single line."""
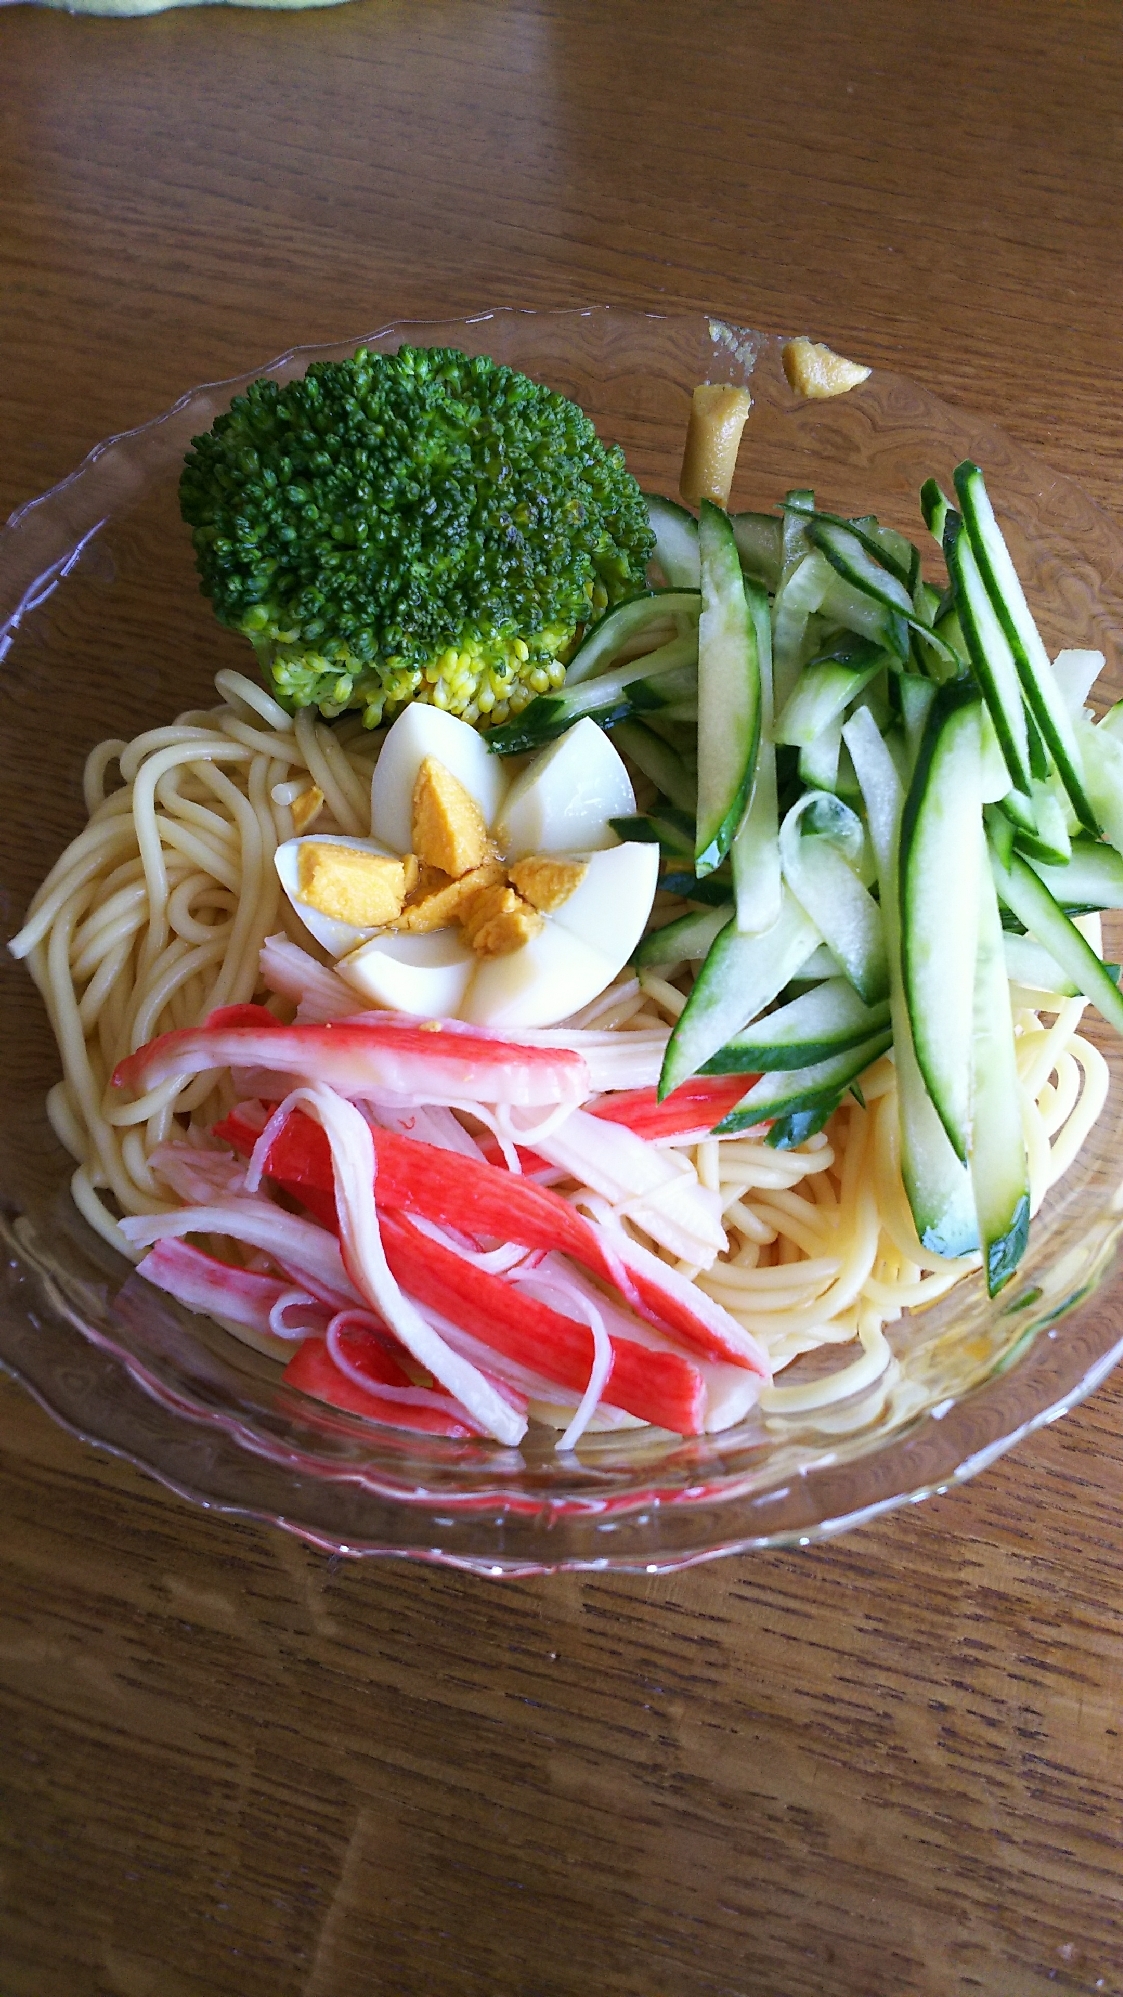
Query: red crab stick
{"points": [[696, 1105], [315, 1372], [660, 1387], [436, 1061], [484, 1200]]}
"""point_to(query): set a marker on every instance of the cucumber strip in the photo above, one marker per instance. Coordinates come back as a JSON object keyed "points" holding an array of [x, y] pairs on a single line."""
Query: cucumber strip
{"points": [[676, 540], [818, 762], [822, 963], [799, 504], [672, 831], [937, 1185], [842, 604], [729, 692], [935, 506], [1026, 896], [1102, 753], [755, 853], [1043, 696], [1029, 965], [916, 697], [624, 625], [852, 561], [759, 538], [687, 940], [789, 1131], [888, 549], [782, 1092], [1093, 877], [898, 554], [1049, 841], [819, 859], [658, 761], [999, 1167], [798, 597], [825, 689], [814, 1027], [713, 892], [660, 679], [741, 975], [939, 888], [991, 657]]}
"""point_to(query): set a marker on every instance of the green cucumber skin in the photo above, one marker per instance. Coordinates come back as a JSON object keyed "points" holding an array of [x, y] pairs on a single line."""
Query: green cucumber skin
{"points": [[672, 831], [941, 1043], [742, 975], [998, 1162], [623, 622], [608, 700], [987, 542], [657, 760], [824, 1022], [788, 1132], [1026, 896], [676, 540], [786, 1092], [1092, 878], [996, 675], [686, 940], [729, 692]]}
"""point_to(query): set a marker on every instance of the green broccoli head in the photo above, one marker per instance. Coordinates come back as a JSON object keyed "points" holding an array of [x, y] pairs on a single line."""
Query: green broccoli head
{"points": [[419, 525]]}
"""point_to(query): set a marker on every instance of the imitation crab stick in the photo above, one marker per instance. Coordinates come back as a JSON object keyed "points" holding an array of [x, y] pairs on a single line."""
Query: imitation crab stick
{"points": [[694, 1107], [458, 1192], [389, 1400], [434, 1061], [241, 1296], [660, 1387]]}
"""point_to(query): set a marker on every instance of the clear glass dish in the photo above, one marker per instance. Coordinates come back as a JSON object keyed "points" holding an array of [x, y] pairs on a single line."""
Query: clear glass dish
{"points": [[103, 631]]}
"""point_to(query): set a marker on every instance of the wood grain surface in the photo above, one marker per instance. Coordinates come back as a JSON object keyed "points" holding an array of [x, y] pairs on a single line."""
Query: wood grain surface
{"points": [[888, 1765]]}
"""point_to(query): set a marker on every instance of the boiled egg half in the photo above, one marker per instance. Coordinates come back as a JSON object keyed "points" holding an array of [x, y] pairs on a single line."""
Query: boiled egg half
{"points": [[497, 898]]}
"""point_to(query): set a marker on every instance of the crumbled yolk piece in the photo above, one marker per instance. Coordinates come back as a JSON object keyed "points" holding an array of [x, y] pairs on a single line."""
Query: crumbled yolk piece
{"points": [[448, 826], [307, 808], [818, 372], [546, 880], [498, 921], [364, 889], [441, 901]]}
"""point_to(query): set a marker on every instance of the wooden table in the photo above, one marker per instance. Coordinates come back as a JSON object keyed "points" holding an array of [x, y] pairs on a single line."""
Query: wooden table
{"points": [[887, 1765]]}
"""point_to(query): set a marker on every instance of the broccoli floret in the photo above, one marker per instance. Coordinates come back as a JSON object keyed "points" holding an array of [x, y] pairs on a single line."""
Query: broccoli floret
{"points": [[420, 525]]}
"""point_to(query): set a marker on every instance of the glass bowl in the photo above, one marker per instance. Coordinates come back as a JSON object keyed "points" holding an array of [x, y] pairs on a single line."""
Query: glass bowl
{"points": [[103, 631]]}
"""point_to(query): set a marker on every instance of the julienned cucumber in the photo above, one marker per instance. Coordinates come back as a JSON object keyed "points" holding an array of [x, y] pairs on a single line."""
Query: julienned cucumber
{"points": [[991, 657], [999, 1167], [814, 1027], [782, 1092], [1093, 877], [1027, 896], [1008, 597], [740, 977], [939, 864], [729, 692], [827, 685], [937, 1185], [663, 680], [684, 941], [676, 540], [760, 544], [626, 625], [661, 763]]}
